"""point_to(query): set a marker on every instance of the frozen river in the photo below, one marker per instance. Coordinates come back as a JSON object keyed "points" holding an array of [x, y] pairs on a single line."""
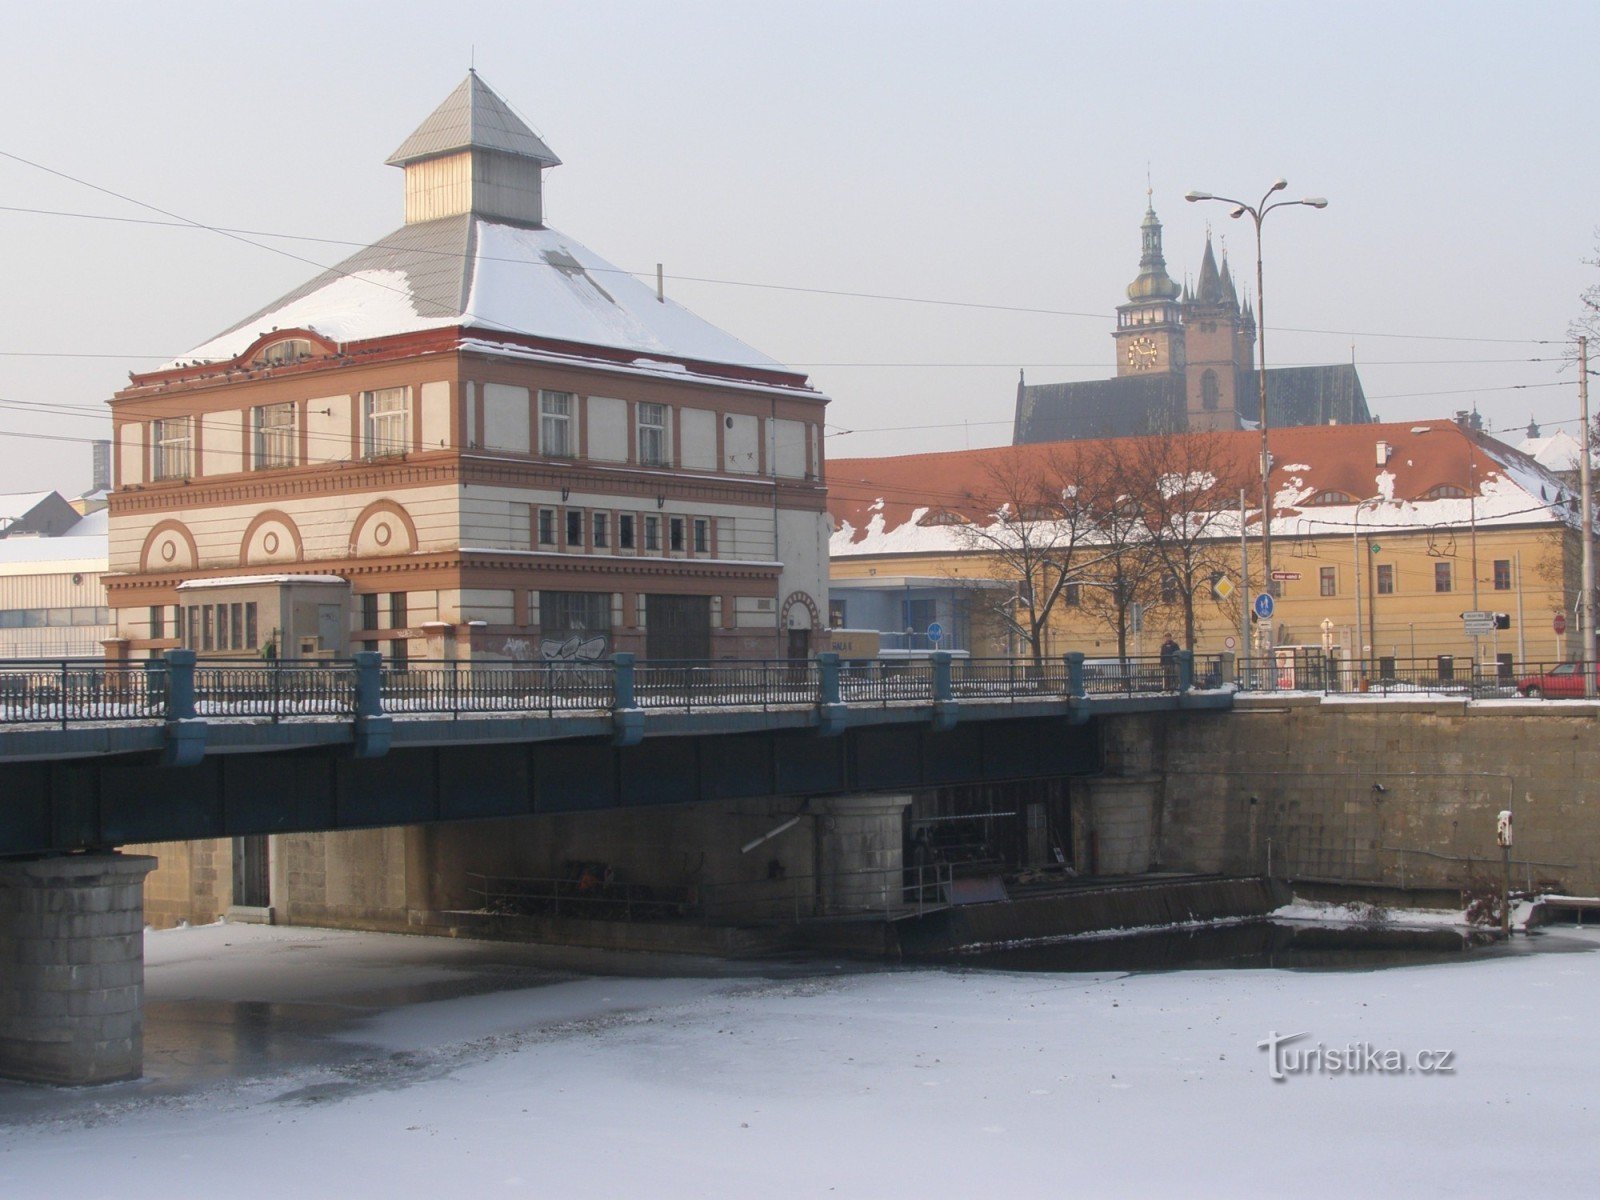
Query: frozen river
{"points": [[308, 1063]]}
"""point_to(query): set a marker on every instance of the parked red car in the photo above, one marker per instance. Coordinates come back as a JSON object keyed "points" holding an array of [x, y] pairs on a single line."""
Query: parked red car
{"points": [[1563, 681]]}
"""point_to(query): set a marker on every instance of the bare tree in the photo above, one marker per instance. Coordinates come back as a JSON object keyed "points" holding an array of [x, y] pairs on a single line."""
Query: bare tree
{"points": [[1185, 485], [1031, 518], [1124, 579]]}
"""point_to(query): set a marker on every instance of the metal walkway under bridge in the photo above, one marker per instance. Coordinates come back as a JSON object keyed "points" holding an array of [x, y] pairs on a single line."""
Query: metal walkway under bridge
{"points": [[98, 755]]}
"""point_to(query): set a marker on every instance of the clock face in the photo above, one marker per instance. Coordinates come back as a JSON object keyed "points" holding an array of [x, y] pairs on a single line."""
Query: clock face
{"points": [[1142, 353]]}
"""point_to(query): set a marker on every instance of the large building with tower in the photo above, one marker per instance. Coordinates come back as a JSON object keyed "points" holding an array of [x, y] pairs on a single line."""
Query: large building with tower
{"points": [[1184, 362], [497, 444]]}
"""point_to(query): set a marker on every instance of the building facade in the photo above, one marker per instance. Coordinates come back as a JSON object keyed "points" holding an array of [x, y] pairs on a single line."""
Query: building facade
{"points": [[507, 447], [1383, 536], [1184, 361]]}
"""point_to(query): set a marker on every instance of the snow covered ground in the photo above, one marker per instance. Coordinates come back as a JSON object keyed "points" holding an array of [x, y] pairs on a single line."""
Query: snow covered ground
{"points": [[309, 1063]]}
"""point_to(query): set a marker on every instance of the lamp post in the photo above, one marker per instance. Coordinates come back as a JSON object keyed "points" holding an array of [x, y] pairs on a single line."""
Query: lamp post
{"points": [[1258, 213], [1355, 545]]}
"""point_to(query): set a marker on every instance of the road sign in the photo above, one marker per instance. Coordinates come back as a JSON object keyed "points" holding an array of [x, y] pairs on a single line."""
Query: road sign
{"points": [[1228, 643], [1477, 624], [1223, 588], [1285, 575], [935, 632], [1263, 605], [1560, 623]]}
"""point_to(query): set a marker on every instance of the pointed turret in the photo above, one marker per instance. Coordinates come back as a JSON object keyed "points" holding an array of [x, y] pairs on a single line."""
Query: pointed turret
{"points": [[473, 154], [1209, 288], [1229, 296]]}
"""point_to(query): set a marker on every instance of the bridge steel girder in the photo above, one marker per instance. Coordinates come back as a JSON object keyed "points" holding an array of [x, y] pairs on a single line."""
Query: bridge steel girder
{"points": [[98, 802]]}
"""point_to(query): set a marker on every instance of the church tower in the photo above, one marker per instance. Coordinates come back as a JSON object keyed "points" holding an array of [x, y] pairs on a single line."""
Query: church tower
{"points": [[1216, 334], [1149, 333]]}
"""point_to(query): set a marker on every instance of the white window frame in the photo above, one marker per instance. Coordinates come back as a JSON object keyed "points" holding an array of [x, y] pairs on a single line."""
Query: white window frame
{"points": [[701, 543], [386, 422], [556, 413], [600, 530], [274, 442], [651, 432], [172, 447], [651, 539]]}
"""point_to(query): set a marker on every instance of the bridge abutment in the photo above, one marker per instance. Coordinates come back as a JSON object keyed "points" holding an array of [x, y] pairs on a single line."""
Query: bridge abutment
{"points": [[860, 852], [72, 968]]}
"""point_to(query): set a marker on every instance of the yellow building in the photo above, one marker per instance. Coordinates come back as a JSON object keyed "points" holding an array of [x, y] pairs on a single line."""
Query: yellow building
{"points": [[1383, 537]]}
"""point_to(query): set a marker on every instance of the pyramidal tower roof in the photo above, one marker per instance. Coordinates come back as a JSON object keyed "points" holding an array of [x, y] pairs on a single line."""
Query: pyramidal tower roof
{"points": [[473, 118]]}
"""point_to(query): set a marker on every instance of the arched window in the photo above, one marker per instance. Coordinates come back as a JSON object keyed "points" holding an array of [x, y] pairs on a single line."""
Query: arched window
{"points": [[1445, 491], [1210, 393], [287, 351], [1331, 496]]}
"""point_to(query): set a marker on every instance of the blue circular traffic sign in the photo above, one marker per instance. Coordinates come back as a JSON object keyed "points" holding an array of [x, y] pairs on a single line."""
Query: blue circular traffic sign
{"points": [[1263, 605], [935, 632]]}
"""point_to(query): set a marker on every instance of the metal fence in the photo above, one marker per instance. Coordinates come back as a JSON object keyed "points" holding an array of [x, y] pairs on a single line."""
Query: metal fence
{"points": [[1443, 675], [61, 692], [546, 688], [275, 690], [730, 684]]}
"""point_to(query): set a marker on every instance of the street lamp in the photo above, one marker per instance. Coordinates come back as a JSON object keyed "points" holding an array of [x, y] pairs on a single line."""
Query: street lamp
{"points": [[1258, 213], [1355, 545]]}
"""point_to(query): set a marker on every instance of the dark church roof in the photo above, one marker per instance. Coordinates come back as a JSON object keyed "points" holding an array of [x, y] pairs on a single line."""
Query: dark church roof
{"points": [[1138, 404], [1327, 395], [1127, 406]]}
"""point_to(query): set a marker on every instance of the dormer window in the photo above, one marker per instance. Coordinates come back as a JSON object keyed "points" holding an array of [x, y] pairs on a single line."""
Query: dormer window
{"points": [[290, 350], [1445, 491], [1331, 496]]}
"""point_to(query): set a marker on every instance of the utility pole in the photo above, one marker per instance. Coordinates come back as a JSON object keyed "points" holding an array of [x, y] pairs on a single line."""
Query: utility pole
{"points": [[1586, 515]]}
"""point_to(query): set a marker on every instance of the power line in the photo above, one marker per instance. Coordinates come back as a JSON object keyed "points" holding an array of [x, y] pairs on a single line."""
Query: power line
{"points": [[841, 293]]}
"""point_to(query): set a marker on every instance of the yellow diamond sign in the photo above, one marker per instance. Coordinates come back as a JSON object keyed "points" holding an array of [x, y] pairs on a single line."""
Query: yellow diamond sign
{"points": [[1223, 588]]}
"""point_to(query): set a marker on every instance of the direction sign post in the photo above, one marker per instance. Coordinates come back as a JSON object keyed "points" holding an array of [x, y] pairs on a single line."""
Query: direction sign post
{"points": [[1477, 624]]}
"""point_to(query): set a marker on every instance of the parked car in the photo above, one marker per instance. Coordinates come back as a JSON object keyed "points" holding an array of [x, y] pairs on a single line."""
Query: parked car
{"points": [[1562, 681]]}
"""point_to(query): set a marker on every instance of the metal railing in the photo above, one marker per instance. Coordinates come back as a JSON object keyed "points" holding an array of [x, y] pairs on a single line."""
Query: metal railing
{"points": [[1443, 675], [179, 688], [460, 688], [65, 691], [275, 689], [731, 684]]}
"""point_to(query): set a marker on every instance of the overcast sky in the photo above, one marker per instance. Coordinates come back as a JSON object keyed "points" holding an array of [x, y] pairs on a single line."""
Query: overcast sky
{"points": [[991, 156]]}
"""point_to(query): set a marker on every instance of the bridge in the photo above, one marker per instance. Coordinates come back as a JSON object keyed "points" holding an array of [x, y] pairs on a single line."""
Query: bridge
{"points": [[98, 755]]}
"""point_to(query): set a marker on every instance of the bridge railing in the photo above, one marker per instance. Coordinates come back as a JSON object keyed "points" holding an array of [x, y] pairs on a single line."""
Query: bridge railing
{"points": [[180, 688], [736, 683], [467, 687], [275, 689], [60, 692]]}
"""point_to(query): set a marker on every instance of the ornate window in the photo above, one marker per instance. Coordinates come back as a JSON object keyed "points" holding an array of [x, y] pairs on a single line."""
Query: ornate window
{"points": [[386, 426], [273, 426], [1210, 392], [173, 440], [555, 424], [287, 351], [1331, 496]]}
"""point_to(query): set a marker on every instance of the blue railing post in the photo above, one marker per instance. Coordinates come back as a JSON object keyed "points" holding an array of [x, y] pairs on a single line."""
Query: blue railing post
{"points": [[832, 715], [369, 683], [1185, 670], [186, 736], [373, 730], [627, 721], [828, 678], [1075, 680], [939, 661], [180, 685]]}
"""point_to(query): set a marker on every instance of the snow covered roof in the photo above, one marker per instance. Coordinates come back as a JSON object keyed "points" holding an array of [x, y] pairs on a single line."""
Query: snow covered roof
{"points": [[473, 116], [1557, 452], [83, 547], [485, 275], [891, 505], [16, 505], [249, 580]]}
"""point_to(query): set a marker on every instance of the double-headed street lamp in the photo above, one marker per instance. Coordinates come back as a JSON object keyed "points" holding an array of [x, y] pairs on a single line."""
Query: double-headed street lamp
{"points": [[1258, 213]]}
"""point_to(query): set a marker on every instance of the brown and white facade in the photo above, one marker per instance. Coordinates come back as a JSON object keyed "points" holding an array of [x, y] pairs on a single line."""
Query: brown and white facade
{"points": [[507, 447]]}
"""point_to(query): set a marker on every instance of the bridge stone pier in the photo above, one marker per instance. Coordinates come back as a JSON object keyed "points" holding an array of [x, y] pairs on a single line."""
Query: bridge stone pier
{"points": [[72, 968]]}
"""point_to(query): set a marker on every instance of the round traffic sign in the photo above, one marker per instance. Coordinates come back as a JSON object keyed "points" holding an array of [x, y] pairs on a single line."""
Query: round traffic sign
{"points": [[1263, 605], [1228, 643], [935, 632], [1560, 623]]}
